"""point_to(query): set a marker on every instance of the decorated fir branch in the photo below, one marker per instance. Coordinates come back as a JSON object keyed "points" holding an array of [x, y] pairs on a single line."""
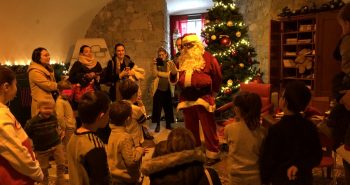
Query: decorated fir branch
{"points": [[226, 37], [59, 69]]}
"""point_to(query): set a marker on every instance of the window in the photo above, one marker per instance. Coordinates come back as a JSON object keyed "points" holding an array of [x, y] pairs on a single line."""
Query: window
{"points": [[182, 24]]}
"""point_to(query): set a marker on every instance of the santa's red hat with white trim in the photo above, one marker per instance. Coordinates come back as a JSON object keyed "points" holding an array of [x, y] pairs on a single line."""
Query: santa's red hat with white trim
{"points": [[190, 37]]}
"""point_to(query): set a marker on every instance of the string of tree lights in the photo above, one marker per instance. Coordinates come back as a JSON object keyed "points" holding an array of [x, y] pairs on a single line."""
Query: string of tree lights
{"points": [[226, 37]]}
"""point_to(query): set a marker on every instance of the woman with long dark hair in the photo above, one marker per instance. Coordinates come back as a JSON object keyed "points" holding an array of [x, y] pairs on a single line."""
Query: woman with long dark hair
{"points": [[41, 78]]}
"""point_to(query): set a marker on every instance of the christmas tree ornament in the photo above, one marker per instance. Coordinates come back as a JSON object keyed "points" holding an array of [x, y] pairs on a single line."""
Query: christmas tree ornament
{"points": [[213, 37], [206, 41], [250, 61], [228, 91], [229, 82], [238, 34], [207, 21], [229, 23], [257, 78], [225, 41], [241, 65], [234, 53]]}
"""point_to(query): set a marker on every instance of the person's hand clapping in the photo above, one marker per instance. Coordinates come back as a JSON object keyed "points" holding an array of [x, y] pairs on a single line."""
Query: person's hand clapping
{"points": [[131, 72], [90, 75], [123, 74]]}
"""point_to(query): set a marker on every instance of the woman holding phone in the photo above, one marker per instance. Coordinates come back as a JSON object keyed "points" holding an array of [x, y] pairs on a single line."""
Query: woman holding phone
{"points": [[120, 68]]}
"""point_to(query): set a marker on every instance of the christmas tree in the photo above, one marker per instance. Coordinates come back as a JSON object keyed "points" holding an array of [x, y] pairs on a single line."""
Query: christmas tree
{"points": [[226, 37]]}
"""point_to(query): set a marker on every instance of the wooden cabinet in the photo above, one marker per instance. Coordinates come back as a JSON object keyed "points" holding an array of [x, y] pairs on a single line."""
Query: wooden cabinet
{"points": [[301, 48]]}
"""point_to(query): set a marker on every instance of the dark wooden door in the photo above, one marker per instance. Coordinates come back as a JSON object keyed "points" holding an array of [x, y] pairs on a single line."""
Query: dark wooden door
{"points": [[328, 35]]}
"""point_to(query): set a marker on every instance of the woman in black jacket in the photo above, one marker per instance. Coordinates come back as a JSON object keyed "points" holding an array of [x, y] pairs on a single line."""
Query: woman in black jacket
{"points": [[85, 73]]}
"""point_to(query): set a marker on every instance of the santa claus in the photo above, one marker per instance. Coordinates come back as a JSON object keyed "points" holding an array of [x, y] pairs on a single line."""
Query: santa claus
{"points": [[198, 75]]}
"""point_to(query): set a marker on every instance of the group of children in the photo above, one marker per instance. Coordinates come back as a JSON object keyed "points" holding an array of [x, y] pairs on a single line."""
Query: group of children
{"points": [[86, 153], [290, 151], [286, 154], [53, 133]]}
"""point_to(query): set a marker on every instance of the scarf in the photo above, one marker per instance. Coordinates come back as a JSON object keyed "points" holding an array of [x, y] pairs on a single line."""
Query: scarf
{"points": [[87, 61]]}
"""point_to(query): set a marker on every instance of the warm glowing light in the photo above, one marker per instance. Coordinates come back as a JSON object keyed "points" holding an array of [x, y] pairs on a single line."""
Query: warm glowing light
{"points": [[25, 62]]}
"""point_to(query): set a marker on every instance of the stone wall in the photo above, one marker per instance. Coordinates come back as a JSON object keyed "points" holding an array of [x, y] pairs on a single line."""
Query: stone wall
{"points": [[140, 25]]}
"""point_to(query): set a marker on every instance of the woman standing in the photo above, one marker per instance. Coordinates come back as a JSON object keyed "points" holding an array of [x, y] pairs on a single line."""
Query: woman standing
{"points": [[17, 162], [120, 68], [85, 73], [41, 78], [161, 90]]}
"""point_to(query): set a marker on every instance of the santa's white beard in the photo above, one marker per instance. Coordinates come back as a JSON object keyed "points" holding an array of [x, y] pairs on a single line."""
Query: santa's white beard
{"points": [[192, 59]]}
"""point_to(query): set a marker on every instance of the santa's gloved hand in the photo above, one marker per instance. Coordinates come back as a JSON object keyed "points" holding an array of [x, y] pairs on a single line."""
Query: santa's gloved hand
{"points": [[173, 69]]}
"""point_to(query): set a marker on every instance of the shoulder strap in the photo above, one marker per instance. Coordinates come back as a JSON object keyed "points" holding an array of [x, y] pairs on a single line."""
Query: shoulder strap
{"points": [[208, 176]]}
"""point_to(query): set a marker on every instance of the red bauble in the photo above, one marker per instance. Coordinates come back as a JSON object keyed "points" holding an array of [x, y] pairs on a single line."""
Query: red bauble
{"points": [[250, 61], [234, 53], [257, 79], [228, 91], [226, 41], [206, 41]]}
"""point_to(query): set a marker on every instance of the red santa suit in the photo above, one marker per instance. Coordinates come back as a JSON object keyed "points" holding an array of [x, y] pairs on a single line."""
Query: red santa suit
{"points": [[197, 100]]}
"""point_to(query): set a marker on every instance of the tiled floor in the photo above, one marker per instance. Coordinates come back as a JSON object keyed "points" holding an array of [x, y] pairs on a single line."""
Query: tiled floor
{"points": [[221, 166]]}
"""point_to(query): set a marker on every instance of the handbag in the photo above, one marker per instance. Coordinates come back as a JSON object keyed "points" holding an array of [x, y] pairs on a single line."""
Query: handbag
{"points": [[343, 153], [79, 91]]}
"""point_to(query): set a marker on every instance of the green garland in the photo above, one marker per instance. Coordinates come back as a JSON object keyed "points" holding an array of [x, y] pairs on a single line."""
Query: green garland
{"points": [[59, 69]]}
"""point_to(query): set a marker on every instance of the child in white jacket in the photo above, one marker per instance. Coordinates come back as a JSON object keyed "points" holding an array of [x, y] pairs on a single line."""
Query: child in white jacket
{"points": [[17, 161]]}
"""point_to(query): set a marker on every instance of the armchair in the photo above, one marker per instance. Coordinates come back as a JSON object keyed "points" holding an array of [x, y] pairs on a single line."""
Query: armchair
{"points": [[263, 90]]}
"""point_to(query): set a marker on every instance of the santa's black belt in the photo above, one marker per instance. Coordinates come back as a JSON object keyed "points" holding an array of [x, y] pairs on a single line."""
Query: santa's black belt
{"points": [[193, 93]]}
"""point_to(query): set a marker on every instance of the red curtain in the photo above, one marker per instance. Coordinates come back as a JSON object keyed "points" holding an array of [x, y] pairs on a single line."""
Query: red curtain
{"points": [[178, 24], [203, 17]]}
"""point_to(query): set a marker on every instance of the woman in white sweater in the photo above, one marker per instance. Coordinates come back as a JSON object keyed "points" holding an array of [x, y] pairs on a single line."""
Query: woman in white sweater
{"points": [[244, 137], [18, 165]]}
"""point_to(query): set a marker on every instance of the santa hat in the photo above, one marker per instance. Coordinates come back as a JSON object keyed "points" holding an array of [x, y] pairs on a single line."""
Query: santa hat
{"points": [[190, 37]]}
